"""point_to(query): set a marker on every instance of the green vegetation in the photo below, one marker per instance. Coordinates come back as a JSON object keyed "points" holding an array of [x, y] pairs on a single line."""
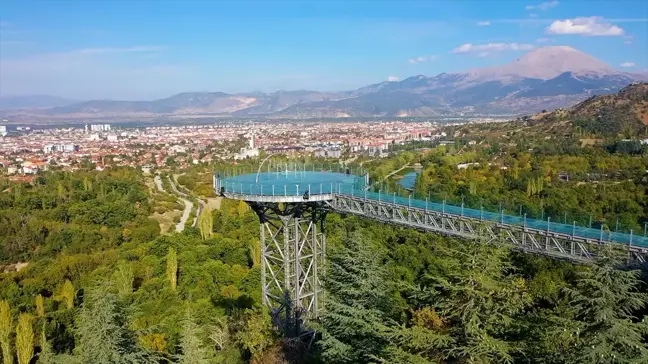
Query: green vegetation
{"points": [[87, 276]]}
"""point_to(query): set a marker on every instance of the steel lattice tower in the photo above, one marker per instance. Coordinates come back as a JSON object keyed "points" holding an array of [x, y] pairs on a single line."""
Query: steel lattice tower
{"points": [[293, 246]]}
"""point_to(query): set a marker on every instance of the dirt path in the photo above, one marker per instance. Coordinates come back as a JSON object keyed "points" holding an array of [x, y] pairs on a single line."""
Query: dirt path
{"points": [[188, 206]]}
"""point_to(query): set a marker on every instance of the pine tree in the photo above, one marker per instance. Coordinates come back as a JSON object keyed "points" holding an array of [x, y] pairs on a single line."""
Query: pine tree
{"points": [[172, 268], [6, 323], [358, 304], [206, 223], [606, 300], [24, 339], [40, 306], [46, 356], [68, 293], [481, 300], [422, 341], [192, 348], [102, 335], [123, 278]]}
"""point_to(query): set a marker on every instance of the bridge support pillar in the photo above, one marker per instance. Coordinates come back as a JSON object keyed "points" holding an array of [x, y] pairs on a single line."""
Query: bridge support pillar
{"points": [[293, 250]]}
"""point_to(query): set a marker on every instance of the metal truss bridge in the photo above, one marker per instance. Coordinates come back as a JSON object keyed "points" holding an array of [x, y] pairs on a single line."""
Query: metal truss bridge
{"points": [[292, 208]]}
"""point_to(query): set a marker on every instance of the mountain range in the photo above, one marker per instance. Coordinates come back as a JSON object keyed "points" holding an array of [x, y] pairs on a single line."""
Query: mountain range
{"points": [[545, 78]]}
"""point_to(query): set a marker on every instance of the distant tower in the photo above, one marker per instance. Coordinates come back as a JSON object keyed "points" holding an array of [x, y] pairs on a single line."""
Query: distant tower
{"points": [[252, 141], [86, 128]]}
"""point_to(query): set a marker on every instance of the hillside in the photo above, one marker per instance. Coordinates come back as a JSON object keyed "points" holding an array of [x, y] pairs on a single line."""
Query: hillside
{"points": [[625, 112], [545, 78]]}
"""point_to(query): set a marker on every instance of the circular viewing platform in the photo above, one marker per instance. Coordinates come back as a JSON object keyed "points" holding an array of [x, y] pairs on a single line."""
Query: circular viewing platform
{"points": [[287, 186]]}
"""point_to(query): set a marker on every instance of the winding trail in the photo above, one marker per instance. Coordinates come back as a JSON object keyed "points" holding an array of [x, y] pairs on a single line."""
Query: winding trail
{"points": [[158, 183], [188, 204], [201, 204]]}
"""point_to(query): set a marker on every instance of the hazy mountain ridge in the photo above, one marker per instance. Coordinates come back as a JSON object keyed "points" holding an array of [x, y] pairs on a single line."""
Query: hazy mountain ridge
{"points": [[546, 78], [33, 101]]}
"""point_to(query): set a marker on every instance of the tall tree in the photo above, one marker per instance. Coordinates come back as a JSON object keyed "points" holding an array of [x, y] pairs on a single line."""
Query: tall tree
{"points": [[6, 323], [172, 268], [46, 356], [24, 339], [102, 333], [40, 306], [193, 350], [206, 223], [123, 278], [68, 293], [606, 302], [255, 252], [481, 299], [359, 302]]}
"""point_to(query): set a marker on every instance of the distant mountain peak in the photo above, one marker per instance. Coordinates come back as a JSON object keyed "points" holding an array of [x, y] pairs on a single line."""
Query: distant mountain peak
{"points": [[546, 63]]}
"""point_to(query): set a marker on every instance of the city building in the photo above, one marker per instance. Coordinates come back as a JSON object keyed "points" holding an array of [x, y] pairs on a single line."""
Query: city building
{"points": [[100, 127], [3, 130], [64, 148], [328, 153], [250, 152]]}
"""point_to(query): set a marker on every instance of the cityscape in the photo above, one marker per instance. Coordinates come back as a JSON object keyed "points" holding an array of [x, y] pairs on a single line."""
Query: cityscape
{"points": [[27, 151]]}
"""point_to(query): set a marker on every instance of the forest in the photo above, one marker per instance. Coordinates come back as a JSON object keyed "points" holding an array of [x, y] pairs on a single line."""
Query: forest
{"points": [[87, 276]]}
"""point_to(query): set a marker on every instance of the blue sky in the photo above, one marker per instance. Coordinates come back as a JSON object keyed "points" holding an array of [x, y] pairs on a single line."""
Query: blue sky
{"points": [[127, 49]]}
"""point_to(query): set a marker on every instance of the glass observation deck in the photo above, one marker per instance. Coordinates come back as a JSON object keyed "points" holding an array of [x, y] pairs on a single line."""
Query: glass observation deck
{"points": [[313, 183]]}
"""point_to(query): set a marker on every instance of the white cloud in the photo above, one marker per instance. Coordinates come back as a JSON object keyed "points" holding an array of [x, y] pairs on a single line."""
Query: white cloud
{"points": [[543, 6], [544, 40], [422, 59], [533, 15], [484, 23], [591, 26], [627, 64], [393, 78], [484, 49]]}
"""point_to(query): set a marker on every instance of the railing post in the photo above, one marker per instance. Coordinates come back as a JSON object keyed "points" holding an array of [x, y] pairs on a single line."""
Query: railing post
{"points": [[365, 195], [462, 208], [630, 237], [285, 190], [394, 199], [548, 222], [378, 195], [502, 217], [273, 190], [426, 205], [443, 207], [525, 221], [573, 229], [409, 201], [601, 237], [309, 189], [481, 212], [297, 190]]}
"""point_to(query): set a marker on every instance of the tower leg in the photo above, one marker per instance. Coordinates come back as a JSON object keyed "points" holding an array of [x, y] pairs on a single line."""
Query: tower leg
{"points": [[292, 258]]}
